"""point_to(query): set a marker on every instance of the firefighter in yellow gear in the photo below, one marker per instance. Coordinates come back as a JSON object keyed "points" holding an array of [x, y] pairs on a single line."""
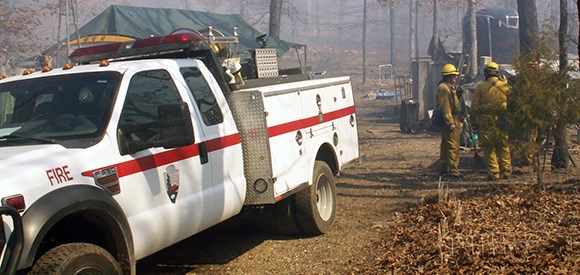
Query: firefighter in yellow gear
{"points": [[489, 108], [450, 106]]}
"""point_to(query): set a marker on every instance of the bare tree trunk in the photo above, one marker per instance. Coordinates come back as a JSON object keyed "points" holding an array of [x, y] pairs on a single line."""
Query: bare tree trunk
{"points": [[528, 31], [309, 16], [561, 154], [510, 4], [472, 40], [275, 15], [317, 18], [416, 29], [539, 177], [412, 33], [563, 34], [364, 42], [578, 8], [242, 8], [435, 31], [392, 36], [341, 18], [554, 12], [188, 5]]}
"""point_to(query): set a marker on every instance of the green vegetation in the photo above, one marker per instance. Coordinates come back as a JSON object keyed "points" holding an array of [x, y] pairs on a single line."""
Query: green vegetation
{"points": [[543, 102]]}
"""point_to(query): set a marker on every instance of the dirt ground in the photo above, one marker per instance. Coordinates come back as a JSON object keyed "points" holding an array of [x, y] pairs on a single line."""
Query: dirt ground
{"points": [[392, 176], [395, 216]]}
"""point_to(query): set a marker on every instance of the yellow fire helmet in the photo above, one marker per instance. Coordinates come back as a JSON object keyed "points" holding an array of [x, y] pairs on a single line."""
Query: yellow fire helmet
{"points": [[492, 66], [449, 69]]}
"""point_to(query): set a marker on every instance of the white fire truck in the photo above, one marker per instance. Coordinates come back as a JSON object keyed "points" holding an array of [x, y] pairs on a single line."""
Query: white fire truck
{"points": [[142, 144]]}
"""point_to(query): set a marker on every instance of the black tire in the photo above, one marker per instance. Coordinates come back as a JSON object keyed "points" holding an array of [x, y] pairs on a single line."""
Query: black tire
{"points": [[414, 129], [316, 205], [77, 258], [285, 217]]}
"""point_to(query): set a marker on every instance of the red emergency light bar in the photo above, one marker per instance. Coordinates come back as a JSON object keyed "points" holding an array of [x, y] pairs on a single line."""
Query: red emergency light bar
{"points": [[140, 47]]}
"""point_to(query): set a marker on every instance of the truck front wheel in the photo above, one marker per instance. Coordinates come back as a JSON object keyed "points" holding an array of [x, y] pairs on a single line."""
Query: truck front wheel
{"points": [[77, 258], [316, 205]]}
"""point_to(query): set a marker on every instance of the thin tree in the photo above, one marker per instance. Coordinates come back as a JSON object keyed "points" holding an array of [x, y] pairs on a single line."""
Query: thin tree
{"points": [[563, 35], [341, 12], [187, 4], [561, 154], [412, 33], [528, 33], [317, 18], [528, 30], [392, 28], [416, 35], [275, 15], [394, 6], [364, 44], [435, 29], [471, 39]]}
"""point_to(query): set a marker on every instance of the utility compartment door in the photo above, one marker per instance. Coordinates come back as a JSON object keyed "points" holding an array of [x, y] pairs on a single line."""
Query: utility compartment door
{"points": [[304, 117], [331, 102], [287, 130]]}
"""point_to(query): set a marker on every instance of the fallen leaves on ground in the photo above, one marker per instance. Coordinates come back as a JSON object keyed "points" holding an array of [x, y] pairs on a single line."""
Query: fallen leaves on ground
{"points": [[508, 228]]}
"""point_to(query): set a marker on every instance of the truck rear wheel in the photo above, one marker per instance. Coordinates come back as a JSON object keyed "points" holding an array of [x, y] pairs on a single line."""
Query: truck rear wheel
{"points": [[77, 258], [316, 205]]}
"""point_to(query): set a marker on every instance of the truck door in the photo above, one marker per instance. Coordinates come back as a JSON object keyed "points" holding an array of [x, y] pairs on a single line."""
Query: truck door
{"points": [[221, 146], [163, 190]]}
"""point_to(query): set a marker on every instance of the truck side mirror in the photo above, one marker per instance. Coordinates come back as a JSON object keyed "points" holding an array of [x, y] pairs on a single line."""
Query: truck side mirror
{"points": [[173, 129]]}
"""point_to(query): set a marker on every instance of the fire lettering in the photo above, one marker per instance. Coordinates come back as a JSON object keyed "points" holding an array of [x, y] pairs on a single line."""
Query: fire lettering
{"points": [[59, 175]]}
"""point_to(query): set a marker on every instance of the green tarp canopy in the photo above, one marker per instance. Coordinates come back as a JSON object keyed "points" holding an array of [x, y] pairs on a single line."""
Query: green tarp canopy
{"points": [[140, 22]]}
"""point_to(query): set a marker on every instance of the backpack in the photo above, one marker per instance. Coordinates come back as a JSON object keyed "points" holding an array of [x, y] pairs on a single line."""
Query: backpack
{"points": [[437, 119]]}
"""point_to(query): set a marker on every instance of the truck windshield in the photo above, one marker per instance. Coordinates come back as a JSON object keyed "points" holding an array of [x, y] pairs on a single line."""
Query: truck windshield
{"points": [[71, 110]]}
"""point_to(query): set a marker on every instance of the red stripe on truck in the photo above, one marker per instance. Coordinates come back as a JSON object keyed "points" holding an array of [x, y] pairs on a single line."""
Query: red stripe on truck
{"points": [[309, 122], [149, 162]]}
